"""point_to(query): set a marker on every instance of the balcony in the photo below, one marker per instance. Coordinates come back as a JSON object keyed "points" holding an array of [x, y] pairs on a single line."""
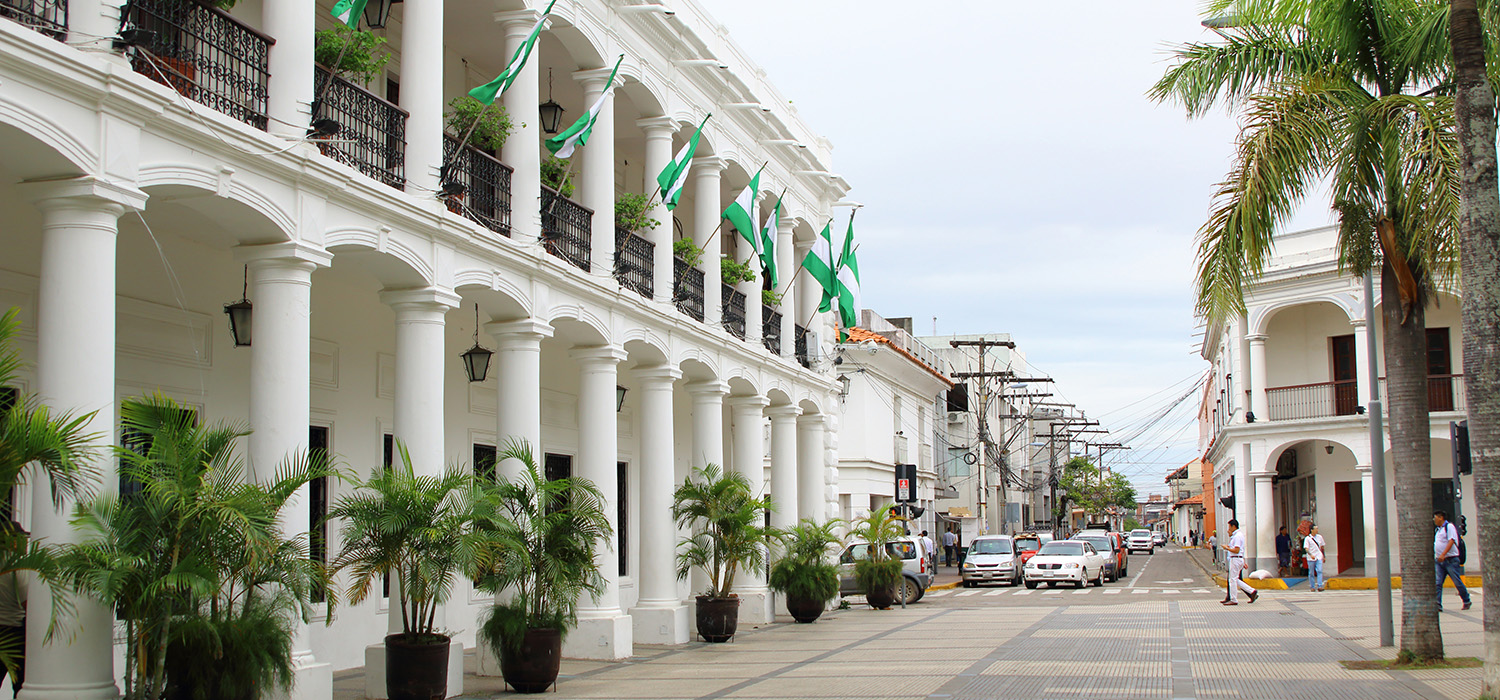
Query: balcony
{"points": [[770, 329], [1445, 392], [801, 347], [49, 17], [687, 292], [734, 311], [567, 229], [201, 52], [372, 132], [1326, 399], [634, 262], [486, 182]]}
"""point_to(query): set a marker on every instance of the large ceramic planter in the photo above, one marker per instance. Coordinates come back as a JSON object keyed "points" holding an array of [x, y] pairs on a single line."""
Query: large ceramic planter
{"points": [[533, 668], [882, 597], [718, 618], [804, 610], [416, 669]]}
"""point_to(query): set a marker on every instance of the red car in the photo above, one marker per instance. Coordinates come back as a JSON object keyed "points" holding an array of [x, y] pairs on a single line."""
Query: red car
{"points": [[1027, 544]]}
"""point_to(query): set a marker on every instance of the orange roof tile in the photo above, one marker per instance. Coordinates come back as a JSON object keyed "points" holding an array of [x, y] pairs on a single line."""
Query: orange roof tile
{"points": [[860, 335]]}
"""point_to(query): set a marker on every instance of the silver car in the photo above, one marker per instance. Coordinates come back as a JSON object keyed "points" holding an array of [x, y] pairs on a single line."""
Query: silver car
{"points": [[992, 559], [915, 576]]}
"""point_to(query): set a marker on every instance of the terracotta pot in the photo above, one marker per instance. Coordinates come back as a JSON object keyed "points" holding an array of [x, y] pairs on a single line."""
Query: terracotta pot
{"points": [[533, 668], [881, 598], [804, 610], [416, 669], [718, 618]]}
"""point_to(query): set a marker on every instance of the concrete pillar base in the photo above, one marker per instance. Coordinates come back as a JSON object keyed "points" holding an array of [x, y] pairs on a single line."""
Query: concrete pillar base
{"points": [[486, 662], [375, 671], [1269, 564], [757, 607], [661, 625], [80, 691], [606, 638], [313, 681]]}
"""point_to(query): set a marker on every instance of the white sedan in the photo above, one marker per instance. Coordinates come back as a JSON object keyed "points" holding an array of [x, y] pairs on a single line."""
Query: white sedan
{"points": [[1073, 561]]}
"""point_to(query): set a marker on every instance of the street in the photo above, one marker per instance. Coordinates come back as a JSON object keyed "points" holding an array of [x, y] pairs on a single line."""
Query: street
{"points": [[1160, 633]]}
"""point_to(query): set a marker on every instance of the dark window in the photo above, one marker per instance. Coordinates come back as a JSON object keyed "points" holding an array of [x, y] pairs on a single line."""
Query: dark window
{"points": [[9, 395], [1345, 383], [141, 444], [1439, 370], [621, 534], [484, 461], [387, 457], [392, 90], [317, 500], [556, 466]]}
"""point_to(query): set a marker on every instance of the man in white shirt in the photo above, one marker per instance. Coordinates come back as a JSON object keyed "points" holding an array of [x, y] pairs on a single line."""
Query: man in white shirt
{"points": [[1235, 550], [1445, 549], [930, 551], [1312, 551], [950, 546]]}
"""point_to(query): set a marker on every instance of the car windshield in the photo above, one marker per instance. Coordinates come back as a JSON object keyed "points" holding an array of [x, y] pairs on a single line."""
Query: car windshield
{"points": [[1066, 549], [898, 550], [996, 545], [1140, 533], [1102, 544], [1028, 545]]}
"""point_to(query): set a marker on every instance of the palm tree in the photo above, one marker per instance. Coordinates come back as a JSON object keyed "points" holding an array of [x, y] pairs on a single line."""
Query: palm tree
{"points": [[728, 527], [879, 570], [1479, 230], [1352, 91]]}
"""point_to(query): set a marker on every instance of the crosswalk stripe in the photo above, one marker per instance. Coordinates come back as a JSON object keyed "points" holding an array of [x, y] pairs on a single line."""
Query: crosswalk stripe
{"points": [[1200, 590], [1024, 592], [939, 594], [1112, 591], [1170, 591], [992, 594], [1051, 592], [1139, 591], [1081, 591], [967, 593]]}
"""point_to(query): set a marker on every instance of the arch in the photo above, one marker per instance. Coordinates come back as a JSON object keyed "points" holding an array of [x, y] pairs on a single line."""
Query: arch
{"points": [[743, 382], [575, 323], [687, 121], [394, 263], [642, 87], [46, 149], [697, 365], [1360, 456], [217, 195], [809, 403], [779, 393], [468, 280], [645, 346], [1260, 318], [579, 39]]}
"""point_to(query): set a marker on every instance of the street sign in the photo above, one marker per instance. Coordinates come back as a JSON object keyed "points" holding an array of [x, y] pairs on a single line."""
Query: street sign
{"points": [[906, 483]]}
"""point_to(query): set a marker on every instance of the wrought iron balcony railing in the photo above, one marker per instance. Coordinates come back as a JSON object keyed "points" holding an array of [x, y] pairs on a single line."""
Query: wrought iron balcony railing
{"points": [[770, 329], [1325, 399], [203, 53], [801, 349], [567, 228], [1445, 392], [49, 17], [486, 182], [687, 292], [734, 311], [372, 132], [634, 262]]}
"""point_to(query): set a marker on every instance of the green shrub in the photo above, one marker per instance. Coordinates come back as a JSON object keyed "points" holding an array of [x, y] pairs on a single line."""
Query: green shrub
{"points": [[733, 272], [358, 54], [493, 128], [685, 249], [555, 174], [631, 212]]}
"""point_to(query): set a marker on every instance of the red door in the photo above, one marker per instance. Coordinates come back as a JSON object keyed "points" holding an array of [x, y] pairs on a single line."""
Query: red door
{"points": [[1343, 520]]}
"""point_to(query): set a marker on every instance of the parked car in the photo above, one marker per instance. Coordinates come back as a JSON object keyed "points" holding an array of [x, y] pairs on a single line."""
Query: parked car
{"points": [[1074, 561], [1159, 538], [1028, 542], [992, 559], [913, 568], [1140, 541], [1112, 547]]}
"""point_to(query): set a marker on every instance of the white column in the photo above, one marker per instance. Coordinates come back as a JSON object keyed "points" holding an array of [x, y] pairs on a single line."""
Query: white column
{"points": [[1265, 524], [708, 422], [290, 96], [784, 465], [1362, 359], [786, 269], [1258, 403], [422, 93], [750, 461], [518, 411], [707, 213], [1244, 500], [659, 132], [280, 404], [604, 631], [75, 373], [596, 181], [1367, 491], [807, 292], [1241, 353], [811, 481], [90, 24], [745, 253], [522, 150], [659, 616]]}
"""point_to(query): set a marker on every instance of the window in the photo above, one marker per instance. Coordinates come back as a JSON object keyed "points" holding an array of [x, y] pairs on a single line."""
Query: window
{"points": [[9, 395], [1345, 381], [387, 458], [1439, 371], [141, 444], [317, 500], [622, 540], [484, 462], [556, 466]]}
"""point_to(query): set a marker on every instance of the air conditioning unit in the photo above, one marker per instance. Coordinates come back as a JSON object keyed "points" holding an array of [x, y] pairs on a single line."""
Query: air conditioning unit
{"points": [[955, 416]]}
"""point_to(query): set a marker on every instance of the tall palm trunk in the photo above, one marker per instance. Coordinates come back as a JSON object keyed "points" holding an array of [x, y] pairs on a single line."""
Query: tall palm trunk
{"points": [[1411, 452], [1479, 231]]}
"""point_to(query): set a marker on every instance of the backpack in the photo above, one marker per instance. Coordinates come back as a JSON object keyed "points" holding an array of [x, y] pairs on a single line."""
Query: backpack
{"points": [[1463, 552]]}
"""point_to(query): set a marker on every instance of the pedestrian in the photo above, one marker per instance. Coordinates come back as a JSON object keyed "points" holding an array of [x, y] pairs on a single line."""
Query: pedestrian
{"points": [[929, 549], [1236, 552], [1313, 551], [1445, 547], [1283, 550], [950, 546], [1213, 544]]}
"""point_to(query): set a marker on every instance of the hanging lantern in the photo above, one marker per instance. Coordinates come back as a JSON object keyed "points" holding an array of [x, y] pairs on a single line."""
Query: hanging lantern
{"points": [[620, 398], [551, 111], [476, 359], [378, 12], [239, 314]]}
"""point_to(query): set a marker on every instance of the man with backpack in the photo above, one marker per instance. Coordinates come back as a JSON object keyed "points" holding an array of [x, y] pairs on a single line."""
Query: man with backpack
{"points": [[1448, 546]]}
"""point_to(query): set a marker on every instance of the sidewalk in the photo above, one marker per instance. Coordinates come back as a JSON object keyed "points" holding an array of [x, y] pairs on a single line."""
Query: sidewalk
{"points": [[1350, 580]]}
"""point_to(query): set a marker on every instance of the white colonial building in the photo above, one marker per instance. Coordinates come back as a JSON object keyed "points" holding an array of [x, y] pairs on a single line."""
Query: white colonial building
{"points": [[1283, 424], [148, 182]]}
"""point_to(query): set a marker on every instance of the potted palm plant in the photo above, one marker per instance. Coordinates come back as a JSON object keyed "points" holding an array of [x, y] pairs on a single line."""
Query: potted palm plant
{"points": [[191, 557], [728, 533], [543, 536], [878, 572], [803, 573], [419, 530]]}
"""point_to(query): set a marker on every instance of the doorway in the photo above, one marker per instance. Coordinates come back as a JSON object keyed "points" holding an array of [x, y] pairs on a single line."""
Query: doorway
{"points": [[1345, 376], [1349, 518]]}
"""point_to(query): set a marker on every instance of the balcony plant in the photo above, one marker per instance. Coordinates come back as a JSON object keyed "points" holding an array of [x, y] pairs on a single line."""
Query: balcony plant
{"points": [[879, 571], [193, 560], [490, 123], [555, 174], [770, 298], [727, 528], [419, 530], [545, 534], [355, 56], [803, 573], [733, 272], [631, 212], [686, 251]]}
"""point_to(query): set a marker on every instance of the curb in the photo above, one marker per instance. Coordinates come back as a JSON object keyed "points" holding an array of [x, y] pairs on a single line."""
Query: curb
{"points": [[1259, 584], [1338, 584], [944, 586]]}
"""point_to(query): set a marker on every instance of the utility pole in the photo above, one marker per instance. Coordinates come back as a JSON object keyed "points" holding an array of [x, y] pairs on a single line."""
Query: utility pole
{"points": [[1102, 446], [983, 433]]}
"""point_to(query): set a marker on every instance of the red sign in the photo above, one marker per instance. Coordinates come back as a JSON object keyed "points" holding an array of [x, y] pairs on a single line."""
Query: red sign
{"points": [[903, 488]]}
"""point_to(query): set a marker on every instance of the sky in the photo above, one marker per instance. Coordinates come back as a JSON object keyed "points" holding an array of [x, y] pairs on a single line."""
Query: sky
{"points": [[1016, 179]]}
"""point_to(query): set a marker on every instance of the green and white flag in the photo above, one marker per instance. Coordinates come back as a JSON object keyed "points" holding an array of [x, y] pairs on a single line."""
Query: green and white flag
{"points": [[674, 176], [741, 213], [848, 280], [819, 263], [348, 12], [768, 245], [563, 145], [487, 92]]}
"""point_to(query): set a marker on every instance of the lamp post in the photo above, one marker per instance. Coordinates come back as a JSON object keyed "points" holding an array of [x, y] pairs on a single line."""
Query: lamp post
{"points": [[551, 112], [476, 359], [240, 313], [378, 12]]}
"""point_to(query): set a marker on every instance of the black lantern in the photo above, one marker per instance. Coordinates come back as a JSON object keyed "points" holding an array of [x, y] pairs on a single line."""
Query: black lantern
{"points": [[551, 111], [620, 398], [378, 12], [239, 314], [476, 359]]}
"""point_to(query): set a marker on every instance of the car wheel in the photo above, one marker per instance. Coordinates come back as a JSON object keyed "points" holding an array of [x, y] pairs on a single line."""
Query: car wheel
{"points": [[1031, 585], [1099, 578], [1052, 584], [1082, 582], [909, 592]]}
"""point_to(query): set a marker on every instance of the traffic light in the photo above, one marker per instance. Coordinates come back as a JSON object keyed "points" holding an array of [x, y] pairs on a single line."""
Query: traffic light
{"points": [[1458, 431]]}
